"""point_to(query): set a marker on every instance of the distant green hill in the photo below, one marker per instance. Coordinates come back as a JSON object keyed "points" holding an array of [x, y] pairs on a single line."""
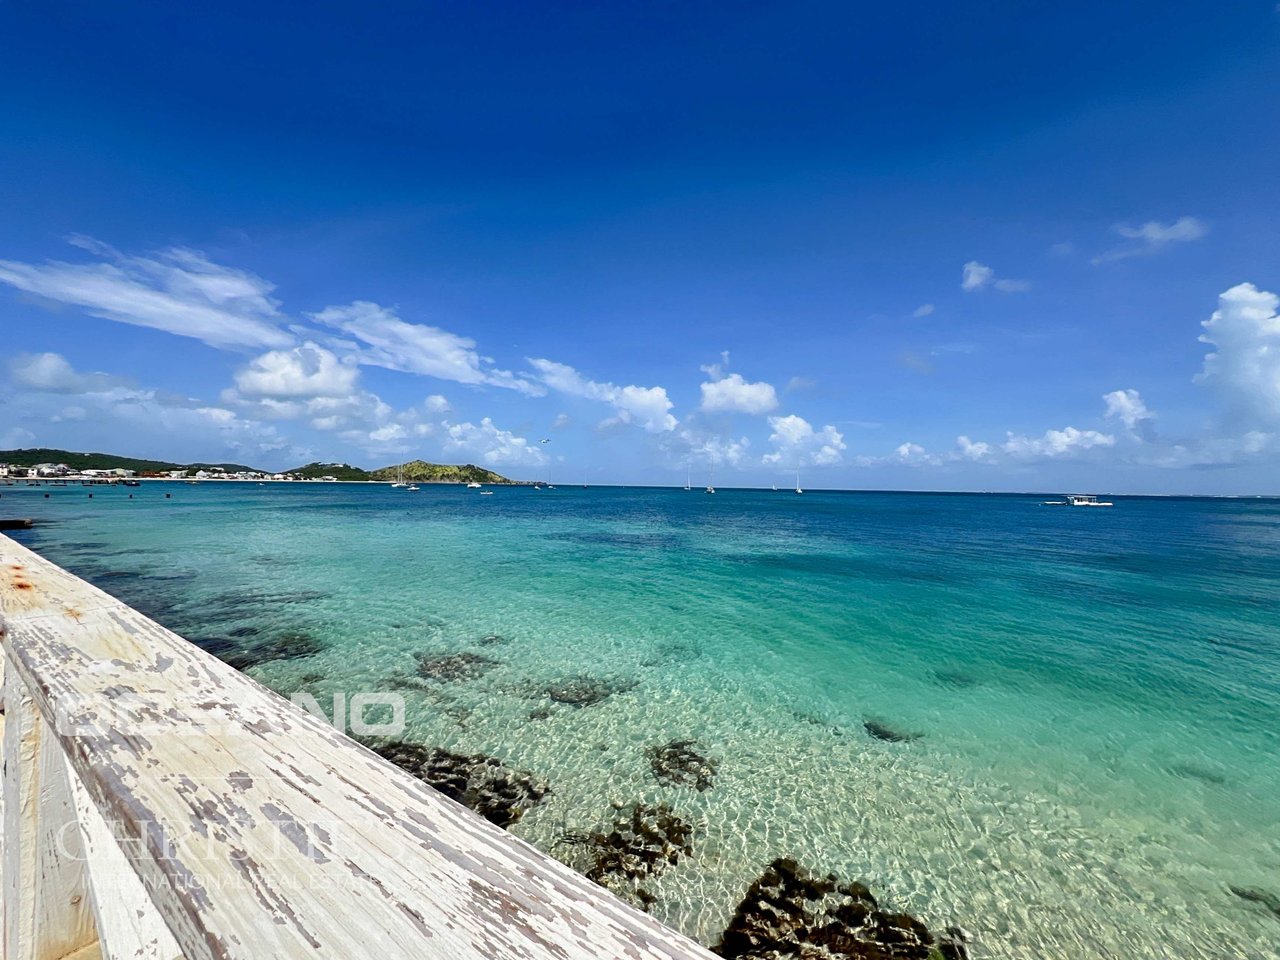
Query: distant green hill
{"points": [[420, 470], [339, 471], [29, 457]]}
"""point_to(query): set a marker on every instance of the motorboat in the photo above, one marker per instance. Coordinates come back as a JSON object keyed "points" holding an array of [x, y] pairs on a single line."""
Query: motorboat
{"points": [[1079, 500], [473, 485]]}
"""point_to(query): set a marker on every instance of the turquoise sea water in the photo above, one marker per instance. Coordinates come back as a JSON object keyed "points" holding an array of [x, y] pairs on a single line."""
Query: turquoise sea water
{"points": [[1096, 692]]}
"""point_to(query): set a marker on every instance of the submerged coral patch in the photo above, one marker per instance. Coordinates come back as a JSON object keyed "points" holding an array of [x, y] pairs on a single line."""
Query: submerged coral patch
{"points": [[679, 762], [882, 731], [454, 666], [290, 645], [484, 784], [585, 691], [642, 841], [791, 914]]}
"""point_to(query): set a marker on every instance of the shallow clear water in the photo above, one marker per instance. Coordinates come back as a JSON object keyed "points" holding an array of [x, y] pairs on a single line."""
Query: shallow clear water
{"points": [[1097, 692]]}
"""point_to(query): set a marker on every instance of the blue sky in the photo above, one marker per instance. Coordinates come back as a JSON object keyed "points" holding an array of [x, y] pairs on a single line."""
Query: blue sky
{"points": [[927, 246]]}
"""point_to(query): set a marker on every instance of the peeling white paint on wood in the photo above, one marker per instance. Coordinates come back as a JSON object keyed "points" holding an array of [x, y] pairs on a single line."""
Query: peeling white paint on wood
{"points": [[261, 832], [47, 913], [128, 925]]}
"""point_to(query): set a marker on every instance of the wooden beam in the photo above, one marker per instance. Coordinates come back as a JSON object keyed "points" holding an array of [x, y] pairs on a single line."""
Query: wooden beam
{"points": [[260, 831], [47, 914], [128, 924]]}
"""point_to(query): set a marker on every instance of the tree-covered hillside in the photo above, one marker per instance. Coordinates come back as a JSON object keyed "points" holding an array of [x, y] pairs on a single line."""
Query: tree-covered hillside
{"points": [[421, 471], [29, 457]]}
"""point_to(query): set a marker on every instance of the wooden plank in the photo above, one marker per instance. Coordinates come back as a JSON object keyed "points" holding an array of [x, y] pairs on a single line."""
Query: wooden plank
{"points": [[262, 832], [129, 926], [47, 913]]}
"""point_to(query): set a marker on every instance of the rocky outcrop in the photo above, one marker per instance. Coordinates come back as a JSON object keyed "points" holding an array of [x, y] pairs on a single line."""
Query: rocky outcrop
{"points": [[680, 763], [585, 691], [882, 731], [249, 650], [642, 841], [484, 784], [454, 666], [791, 914]]}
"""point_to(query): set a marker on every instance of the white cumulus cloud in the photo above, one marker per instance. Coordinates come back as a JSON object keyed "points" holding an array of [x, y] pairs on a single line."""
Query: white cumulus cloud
{"points": [[733, 393], [308, 370], [1129, 408], [975, 450], [1056, 444], [491, 445], [52, 373], [795, 441], [646, 407], [1244, 367]]}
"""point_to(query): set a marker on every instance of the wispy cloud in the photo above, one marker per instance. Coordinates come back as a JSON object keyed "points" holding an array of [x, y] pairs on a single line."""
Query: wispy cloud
{"points": [[1152, 237], [383, 339], [976, 276], [179, 291]]}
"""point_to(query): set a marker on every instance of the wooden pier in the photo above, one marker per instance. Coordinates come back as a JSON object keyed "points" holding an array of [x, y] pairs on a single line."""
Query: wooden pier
{"points": [[159, 804]]}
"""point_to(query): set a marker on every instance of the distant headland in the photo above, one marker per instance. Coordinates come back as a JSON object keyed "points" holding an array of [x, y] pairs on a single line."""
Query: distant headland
{"points": [[48, 462]]}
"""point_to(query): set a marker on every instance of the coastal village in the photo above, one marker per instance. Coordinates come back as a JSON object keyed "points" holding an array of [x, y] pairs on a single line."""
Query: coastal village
{"points": [[57, 467], [65, 473]]}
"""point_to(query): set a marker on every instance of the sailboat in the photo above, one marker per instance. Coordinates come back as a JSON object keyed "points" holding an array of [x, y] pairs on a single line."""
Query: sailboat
{"points": [[400, 476], [688, 477], [712, 479], [798, 490]]}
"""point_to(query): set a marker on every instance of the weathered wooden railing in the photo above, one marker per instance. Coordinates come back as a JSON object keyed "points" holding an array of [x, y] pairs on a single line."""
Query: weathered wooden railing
{"points": [[159, 804]]}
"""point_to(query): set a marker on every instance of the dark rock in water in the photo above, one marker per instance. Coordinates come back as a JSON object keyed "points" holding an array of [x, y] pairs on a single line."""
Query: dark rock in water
{"points": [[679, 763], [311, 677], [484, 784], [454, 666], [492, 640], [1255, 895], [246, 631], [292, 645], [540, 713], [957, 679], [882, 731], [584, 691], [640, 843], [790, 914], [953, 944]]}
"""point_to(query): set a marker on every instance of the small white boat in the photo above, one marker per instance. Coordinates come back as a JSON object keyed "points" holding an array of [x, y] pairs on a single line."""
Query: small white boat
{"points": [[473, 485], [711, 489], [798, 490], [413, 488], [486, 493], [1079, 500]]}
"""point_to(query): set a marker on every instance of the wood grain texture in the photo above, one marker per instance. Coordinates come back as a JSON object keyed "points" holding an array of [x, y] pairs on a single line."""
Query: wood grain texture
{"points": [[46, 894], [129, 928], [260, 831]]}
